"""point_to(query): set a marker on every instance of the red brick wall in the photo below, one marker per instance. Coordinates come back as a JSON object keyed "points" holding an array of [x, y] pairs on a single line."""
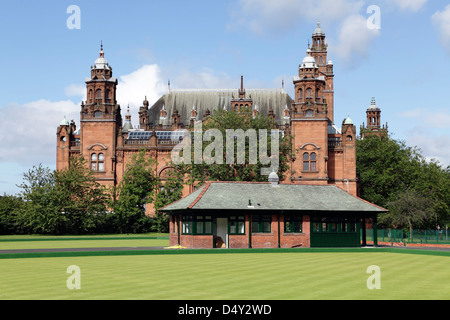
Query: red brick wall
{"points": [[258, 240]]}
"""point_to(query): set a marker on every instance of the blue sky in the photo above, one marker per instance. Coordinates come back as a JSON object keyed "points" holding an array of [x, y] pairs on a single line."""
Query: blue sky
{"points": [[210, 44]]}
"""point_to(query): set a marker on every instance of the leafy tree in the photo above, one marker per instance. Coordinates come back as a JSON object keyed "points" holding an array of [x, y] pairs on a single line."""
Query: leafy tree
{"points": [[134, 193], [391, 172], [410, 209], [385, 167], [10, 207], [41, 212], [169, 191], [235, 170], [81, 199]]}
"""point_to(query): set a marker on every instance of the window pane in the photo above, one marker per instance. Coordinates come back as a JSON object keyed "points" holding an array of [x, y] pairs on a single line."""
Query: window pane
{"points": [[208, 227], [101, 157], [266, 226], [187, 227], [313, 156], [306, 156], [233, 227], [313, 166], [316, 227], [305, 166], [94, 157], [241, 227], [101, 166], [255, 226], [94, 166], [199, 227]]}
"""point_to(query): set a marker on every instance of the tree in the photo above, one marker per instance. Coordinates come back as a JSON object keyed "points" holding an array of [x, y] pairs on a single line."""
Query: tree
{"points": [[10, 208], [169, 191], [240, 168], [81, 199], [410, 209], [133, 194], [41, 212], [385, 168], [390, 172]]}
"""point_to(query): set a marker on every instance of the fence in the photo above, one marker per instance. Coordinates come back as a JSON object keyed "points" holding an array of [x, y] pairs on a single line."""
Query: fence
{"points": [[394, 236]]}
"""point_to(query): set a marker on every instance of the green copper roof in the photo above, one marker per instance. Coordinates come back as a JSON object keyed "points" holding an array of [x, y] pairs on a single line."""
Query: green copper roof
{"points": [[264, 196]]}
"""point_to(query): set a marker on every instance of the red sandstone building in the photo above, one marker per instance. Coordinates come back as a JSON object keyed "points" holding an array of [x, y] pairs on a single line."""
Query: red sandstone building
{"points": [[323, 151]]}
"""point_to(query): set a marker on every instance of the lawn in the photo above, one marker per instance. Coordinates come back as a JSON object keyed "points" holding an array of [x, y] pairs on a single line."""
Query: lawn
{"points": [[97, 241], [257, 275]]}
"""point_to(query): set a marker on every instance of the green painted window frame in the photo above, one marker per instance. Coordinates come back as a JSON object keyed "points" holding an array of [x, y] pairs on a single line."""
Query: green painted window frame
{"points": [[187, 225], [293, 224], [262, 223], [203, 225], [239, 222], [197, 225], [334, 225]]}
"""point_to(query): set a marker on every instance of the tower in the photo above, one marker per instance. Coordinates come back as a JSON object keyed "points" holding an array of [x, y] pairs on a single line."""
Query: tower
{"points": [[373, 114], [309, 123], [319, 51], [100, 121]]}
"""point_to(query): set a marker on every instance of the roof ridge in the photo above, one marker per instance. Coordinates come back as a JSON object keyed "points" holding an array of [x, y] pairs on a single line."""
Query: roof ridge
{"points": [[200, 195]]}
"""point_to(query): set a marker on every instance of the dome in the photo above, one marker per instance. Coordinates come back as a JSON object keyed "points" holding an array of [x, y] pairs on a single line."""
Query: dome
{"points": [[318, 31], [373, 106], [309, 61], [348, 120], [102, 63], [64, 122]]}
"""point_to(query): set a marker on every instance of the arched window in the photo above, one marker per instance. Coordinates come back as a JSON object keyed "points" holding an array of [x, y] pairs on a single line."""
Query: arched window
{"points": [[101, 163], [306, 161], [300, 93], [309, 113], [98, 162], [310, 161], [308, 93], [98, 93], [94, 159]]}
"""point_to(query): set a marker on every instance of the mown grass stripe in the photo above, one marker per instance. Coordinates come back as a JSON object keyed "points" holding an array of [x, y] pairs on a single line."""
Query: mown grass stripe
{"points": [[75, 253], [81, 238]]}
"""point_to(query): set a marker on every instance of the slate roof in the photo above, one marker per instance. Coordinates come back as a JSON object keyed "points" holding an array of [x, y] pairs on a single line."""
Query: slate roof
{"points": [[213, 99], [263, 196]]}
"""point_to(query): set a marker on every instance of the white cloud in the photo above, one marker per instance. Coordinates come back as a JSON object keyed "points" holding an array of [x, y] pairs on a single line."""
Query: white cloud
{"points": [[204, 79], [29, 131], [413, 5], [354, 40], [75, 90], [262, 17], [134, 87], [441, 19], [438, 119], [432, 146]]}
